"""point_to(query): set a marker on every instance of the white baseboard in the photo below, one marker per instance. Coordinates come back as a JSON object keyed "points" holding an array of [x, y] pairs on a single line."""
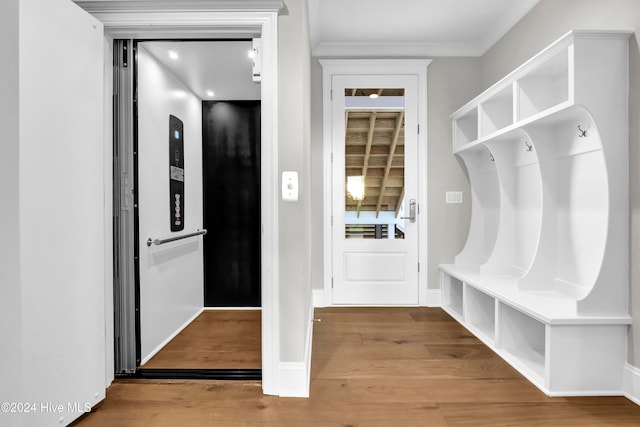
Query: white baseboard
{"points": [[172, 336], [433, 298], [295, 377], [632, 383], [293, 380], [318, 297]]}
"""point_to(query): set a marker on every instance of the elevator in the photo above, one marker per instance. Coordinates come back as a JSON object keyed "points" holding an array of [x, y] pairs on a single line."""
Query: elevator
{"points": [[188, 202]]}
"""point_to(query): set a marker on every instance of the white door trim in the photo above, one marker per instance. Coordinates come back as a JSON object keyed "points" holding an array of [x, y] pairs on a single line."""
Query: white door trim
{"points": [[355, 67], [206, 19]]}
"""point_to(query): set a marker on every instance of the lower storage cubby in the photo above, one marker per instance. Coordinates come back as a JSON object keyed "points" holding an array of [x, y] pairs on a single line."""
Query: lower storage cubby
{"points": [[562, 354], [452, 295], [480, 314], [522, 339]]}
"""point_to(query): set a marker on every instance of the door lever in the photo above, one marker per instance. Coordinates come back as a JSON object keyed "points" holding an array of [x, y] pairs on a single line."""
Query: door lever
{"points": [[412, 211]]}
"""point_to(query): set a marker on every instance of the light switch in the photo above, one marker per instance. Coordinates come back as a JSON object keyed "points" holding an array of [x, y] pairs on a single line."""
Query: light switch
{"points": [[289, 186], [454, 197]]}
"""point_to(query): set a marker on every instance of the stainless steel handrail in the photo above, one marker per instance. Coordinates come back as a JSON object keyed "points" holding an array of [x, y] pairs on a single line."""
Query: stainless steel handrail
{"points": [[157, 242]]}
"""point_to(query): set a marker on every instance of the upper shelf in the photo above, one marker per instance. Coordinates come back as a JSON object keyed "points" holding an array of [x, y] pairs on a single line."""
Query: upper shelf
{"points": [[541, 87]]}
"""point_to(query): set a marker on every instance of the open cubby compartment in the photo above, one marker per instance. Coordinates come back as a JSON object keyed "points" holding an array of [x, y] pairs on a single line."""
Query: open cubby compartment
{"points": [[452, 295], [480, 313], [546, 85], [600, 72], [496, 112], [485, 206], [520, 204], [575, 207], [522, 340], [465, 127]]}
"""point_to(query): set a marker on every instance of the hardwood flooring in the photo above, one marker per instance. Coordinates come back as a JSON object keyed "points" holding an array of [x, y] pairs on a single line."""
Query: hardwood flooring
{"points": [[371, 367], [216, 339]]}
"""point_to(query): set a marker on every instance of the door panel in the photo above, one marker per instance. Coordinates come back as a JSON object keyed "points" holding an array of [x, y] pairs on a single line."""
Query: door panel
{"points": [[231, 165], [375, 267], [62, 246], [375, 256]]}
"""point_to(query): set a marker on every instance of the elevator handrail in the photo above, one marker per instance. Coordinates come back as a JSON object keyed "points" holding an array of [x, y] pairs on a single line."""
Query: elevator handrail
{"points": [[158, 242]]}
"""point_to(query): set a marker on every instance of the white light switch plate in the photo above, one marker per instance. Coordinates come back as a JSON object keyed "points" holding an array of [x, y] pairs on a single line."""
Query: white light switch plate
{"points": [[454, 196], [289, 186]]}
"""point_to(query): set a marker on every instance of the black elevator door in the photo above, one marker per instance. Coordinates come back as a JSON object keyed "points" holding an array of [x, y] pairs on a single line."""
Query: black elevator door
{"points": [[231, 174]]}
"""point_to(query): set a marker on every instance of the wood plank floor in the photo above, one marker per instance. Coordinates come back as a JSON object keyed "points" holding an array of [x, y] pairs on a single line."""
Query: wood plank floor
{"points": [[371, 367], [216, 339]]}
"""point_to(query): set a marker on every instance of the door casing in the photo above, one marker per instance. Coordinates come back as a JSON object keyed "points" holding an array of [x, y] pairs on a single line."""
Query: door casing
{"points": [[369, 67], [203, 20]]}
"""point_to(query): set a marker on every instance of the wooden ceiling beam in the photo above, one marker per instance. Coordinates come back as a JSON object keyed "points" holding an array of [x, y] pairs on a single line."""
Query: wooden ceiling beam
{"points": [[392, 150], [399, 202], [367, 155], [367, 152], [346, 124]]}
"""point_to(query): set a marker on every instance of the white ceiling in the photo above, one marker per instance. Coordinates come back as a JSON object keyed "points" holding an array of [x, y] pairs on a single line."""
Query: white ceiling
{"points": [[411, 27], [221, 66], [353, 28]]}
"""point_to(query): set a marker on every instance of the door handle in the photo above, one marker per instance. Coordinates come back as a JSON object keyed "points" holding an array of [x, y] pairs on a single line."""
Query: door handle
{"points": [[412, 211]]}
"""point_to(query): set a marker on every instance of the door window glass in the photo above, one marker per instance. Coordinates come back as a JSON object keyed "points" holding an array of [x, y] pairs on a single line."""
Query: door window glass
{"points": [[374, 163]]}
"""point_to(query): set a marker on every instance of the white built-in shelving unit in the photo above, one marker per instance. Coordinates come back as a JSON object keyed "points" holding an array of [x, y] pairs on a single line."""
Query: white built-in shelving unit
{"points": [[543, 276]]}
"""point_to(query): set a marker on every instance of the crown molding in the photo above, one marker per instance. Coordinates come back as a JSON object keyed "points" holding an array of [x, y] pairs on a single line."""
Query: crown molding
{"points": [[359, 50], [119, 6]]}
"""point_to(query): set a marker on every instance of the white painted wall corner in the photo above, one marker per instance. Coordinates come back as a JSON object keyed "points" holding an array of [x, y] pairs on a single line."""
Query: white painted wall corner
{"points": [[433, 298], [153, 352], [631, 383], [295, 377], [318, 298]]}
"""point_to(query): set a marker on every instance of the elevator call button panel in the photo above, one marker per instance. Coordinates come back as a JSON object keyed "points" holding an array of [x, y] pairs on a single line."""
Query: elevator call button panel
{"points": [[176, 174]]}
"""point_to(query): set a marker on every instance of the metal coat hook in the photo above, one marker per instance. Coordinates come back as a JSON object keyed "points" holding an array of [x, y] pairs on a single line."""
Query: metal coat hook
{"points": [[529, 146], [581, 132], [492, 158]]}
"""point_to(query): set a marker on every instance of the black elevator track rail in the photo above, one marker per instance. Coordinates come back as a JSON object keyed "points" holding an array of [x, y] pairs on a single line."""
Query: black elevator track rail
{"points": [[196, 374]]}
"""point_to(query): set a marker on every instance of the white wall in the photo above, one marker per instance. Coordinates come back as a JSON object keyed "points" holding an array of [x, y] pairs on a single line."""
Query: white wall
{"points": [[452, 82], [294, 233], [10, 292], [546, 22], [171, 275], [52, 251]]}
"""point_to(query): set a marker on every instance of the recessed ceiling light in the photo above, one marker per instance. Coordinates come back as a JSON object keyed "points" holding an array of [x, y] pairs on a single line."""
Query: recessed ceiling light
{"points": [[373, 96], [173, 54], [210, 93], [251, 54]]}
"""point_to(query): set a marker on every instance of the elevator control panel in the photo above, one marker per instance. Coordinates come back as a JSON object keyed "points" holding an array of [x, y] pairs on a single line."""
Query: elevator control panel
{"points": [[176, 174]]}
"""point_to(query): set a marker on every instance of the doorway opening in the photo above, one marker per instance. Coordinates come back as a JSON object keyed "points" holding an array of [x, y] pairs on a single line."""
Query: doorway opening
{"points": [[167, 92], [374, 130]]}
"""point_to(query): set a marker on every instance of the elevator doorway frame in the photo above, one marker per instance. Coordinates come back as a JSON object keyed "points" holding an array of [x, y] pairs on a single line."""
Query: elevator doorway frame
{"points": [[199, 20]]}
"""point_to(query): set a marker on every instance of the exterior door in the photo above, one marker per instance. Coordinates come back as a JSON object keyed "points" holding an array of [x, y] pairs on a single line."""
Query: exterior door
{"points": [[375, 190]]}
